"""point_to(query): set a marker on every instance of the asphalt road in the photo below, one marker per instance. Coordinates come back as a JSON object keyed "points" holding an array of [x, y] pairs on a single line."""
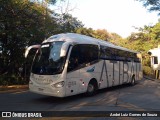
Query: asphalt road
{"points": [[144, 96]]}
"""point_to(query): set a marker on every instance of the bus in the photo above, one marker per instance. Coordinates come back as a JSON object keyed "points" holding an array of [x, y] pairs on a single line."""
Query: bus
{"points": [[68, 64]]}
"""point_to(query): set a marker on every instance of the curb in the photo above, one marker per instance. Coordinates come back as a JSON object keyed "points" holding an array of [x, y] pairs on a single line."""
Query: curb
{"points": [[149, 78], [13, 87]]}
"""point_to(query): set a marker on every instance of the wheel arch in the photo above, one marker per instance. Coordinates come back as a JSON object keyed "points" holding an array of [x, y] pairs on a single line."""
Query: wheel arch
{"points": [[133, 80], [94, 81]]}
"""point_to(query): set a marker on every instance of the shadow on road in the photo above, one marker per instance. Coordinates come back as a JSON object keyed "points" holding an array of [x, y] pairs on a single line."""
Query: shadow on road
{"points": [[56, 100]]}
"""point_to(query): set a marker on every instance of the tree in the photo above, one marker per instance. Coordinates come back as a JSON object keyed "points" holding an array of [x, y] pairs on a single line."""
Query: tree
{"points": [[115, 36], [86, 31], [22, 24], [153, 5], [102, 34], [155, 32], [67, 23]]}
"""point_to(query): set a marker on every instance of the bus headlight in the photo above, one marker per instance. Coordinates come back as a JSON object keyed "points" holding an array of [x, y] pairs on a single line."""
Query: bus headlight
{"points": [[59, 84]]}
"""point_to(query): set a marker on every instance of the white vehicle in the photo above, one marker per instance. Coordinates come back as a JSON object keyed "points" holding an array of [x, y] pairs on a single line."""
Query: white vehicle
{"points": [[155, 61], [69, 64], [155, 58]]}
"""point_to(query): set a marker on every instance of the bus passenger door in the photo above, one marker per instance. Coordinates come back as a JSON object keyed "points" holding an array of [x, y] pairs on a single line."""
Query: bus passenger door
{"points": [[72, 81]]}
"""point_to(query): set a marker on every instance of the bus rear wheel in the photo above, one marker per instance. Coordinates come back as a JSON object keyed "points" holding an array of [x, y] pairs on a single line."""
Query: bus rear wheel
{"points": [[91, 89]]}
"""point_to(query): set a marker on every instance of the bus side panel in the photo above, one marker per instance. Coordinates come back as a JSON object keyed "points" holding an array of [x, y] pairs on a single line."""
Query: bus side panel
{"points": [[125, 72], [130, 73], [104, 82], [134, 70], [139, 72], [87, 73], [115, 73], [120, 72], [72, 83], [109, 72]]}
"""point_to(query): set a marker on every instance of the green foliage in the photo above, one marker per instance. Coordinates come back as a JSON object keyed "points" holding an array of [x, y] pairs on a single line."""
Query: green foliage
{"points": [[148, 71], [51, 1], [85, 31], [27, 22], [147, 38], [99, 34], [115, 36], [12, 80], [67, 23], [102, 34], [153, 5], [24, 23]]}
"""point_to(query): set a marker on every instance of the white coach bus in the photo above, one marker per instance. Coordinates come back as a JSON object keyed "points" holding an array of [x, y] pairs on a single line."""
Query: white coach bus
{"points": [[69, 64]]}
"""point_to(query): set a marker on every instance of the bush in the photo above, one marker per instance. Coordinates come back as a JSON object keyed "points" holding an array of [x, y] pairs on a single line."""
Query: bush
{"points": [[6, 80], [148, 71]]}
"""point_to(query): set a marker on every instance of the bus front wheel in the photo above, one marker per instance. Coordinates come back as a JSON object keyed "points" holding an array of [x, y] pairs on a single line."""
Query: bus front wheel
{"points": [[92, 88]]}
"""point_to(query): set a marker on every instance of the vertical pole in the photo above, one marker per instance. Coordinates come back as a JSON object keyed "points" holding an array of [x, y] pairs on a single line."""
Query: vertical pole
{"points": [[155, 74], [158, 74]]}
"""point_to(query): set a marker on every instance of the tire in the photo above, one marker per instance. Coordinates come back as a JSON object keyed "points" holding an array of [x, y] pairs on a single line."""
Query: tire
{"points": [[133, 81], [91, 89]]}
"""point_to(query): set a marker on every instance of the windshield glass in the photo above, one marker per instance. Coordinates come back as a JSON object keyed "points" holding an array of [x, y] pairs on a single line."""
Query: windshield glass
{"points": [[47, 60]]}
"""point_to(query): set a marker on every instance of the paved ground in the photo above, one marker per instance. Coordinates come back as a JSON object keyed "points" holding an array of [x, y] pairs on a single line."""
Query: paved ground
{"points": [[144, 96]]}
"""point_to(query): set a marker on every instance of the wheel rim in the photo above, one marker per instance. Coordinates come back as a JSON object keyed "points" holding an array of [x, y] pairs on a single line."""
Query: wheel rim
{"points": [[133, 81], [90, 88]]}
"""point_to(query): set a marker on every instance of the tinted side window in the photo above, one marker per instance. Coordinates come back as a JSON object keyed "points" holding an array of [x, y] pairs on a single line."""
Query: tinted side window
{"points": [[88, 53], [104, 52], [81, 55]]}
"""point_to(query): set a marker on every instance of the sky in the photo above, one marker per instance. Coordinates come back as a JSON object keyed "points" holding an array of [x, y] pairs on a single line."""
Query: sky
{"points": [[117, 16]]}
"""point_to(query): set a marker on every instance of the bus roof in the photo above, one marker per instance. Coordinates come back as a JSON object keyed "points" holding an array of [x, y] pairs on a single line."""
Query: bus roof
{"points": [[83, 39]]}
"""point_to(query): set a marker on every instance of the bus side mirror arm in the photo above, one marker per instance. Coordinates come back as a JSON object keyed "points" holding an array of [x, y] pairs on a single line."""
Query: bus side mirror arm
{"points": [[29, 48], [64, 48]]}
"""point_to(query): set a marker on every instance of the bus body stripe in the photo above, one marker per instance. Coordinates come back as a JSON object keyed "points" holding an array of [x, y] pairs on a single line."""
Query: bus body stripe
{"points": [[104, 67]]}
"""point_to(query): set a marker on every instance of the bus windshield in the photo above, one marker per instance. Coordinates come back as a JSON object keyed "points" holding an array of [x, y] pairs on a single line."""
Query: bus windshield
{"points": [[47, 60]]}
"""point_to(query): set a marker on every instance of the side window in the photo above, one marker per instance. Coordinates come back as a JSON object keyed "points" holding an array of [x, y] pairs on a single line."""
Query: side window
{"points": [[74, 58], [102, 52], [108, 51], [81, 55], [112, 52], [155, 60], [93, 52], [105, 52], [88, 53]]}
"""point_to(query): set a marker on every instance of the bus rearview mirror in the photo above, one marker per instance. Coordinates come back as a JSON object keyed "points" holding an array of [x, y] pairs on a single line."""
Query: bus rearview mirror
{"points": [[29, 48]]}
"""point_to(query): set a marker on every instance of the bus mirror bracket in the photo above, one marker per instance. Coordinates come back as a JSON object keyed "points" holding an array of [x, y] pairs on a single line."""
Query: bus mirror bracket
{"points": [[64, 49], [29, 48]]}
